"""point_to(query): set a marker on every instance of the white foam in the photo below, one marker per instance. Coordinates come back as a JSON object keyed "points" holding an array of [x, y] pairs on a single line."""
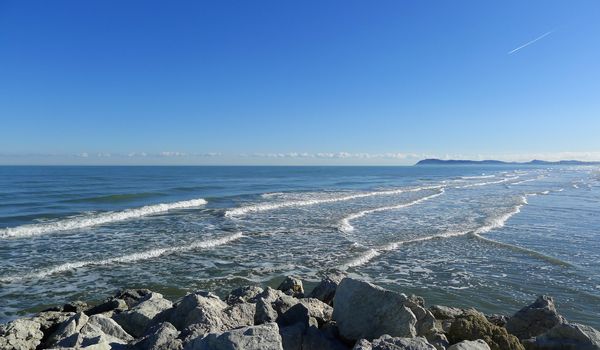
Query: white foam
{"points": [[477, 177], [96, 219], [495, 223], [489, 183], [346, 226], [302, 203], [124, 259], [522, 181]]}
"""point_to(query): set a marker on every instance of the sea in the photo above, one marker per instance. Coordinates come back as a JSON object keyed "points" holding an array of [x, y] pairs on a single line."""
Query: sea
{"points": [[490, 237]]}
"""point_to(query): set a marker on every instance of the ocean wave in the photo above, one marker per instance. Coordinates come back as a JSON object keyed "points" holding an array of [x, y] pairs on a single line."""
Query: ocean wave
{"points": [[124, 259], [492, 224], [346, 226], [522, 181], [302, 203], [527, 251], [489, 182], [477, 177], [96, 219], [114, 198]]}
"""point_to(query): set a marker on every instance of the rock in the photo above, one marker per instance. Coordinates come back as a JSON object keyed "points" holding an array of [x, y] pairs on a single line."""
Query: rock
{"points": [[197, 307], [297, 314], [314, 339], [473, 327], [132, 297], [442, 312], [566, 336], [107, 326], [262, 337], [363, 310], [135, 320], [50, 321], [21, 334], [245, 294], [386, 342], [160, 337], [238, 315], [325, 290], [271, 303], [470, 345], [264, 313], [66, 334], [534, 319], [319, 310], [292, 286], [111, 305], [498, 320], [291, 336]]}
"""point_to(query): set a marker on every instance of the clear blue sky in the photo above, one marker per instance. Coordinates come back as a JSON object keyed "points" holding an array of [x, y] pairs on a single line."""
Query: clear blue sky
{"points": [[297, 82]]}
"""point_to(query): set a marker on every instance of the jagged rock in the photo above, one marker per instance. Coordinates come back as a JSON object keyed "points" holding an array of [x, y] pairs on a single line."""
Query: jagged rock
{"points": [[111, 305], [325, 290], [314, 339], [470, 345], [498, 320], [160, 337], [132, 297], [291, 336], [363, 310], [262, 337], [245, 294], [297, 314], [566, 336], [386, 342], [135, 320], [106, 325], [271, 303], [67, 333], [21, 334], [473, 327], [534, 319], [318, 309], [197, 307], [292, 286], [264, 313], [50, 321], [73, 306]]}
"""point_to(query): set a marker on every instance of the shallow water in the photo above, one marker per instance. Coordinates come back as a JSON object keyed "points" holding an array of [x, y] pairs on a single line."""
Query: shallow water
{"points": [[492, 237]]}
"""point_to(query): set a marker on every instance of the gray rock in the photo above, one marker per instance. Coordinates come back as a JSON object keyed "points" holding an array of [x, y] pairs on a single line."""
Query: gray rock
{"points": [[160, 337], [292, 286], [387, 342], [198, 307], [245, 294], [135, 320], [566, 336], [111, 305], [262, 337], [67, 333], [470, 345], [132, 297], [21, 334], [291, 336], [314, 339], [325, 290], [271, 303], [534, 319], [264, 313], [319, 310], [106, 325], [363, 310]]}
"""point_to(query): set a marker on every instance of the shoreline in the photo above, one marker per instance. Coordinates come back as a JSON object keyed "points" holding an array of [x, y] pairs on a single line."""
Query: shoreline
{"points": [[339, 313]]}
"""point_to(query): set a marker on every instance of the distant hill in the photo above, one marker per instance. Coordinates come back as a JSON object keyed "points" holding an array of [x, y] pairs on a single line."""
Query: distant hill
{"points": [[433, 161]]}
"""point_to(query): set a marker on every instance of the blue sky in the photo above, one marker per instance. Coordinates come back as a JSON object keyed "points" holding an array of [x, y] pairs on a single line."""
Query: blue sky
{"points": [[304, 82]]}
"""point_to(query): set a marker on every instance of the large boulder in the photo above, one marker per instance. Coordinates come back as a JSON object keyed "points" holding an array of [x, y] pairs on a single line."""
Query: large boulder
{"points": [[534, 319], [319, 310], [135, 320], [262, 337], [325, 290], [292, 286], [20, 334], [102, 324], [566, 336], [363, 310], [473, 327], [246, 294], [387, 342], [470, 345], [271, 303], [314, 339], [160, 337], [67, 334]]}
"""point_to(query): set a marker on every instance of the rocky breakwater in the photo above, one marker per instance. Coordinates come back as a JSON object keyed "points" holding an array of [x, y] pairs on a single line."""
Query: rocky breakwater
{"points": [[340, 313]]}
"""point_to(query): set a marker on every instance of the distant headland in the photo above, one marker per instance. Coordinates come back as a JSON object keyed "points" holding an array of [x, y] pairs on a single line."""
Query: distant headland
{"points": [[434, 161]]}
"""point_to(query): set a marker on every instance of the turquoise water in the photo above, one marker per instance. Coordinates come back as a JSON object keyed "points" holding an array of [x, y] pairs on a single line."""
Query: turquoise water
{"points": [[492, 237]]}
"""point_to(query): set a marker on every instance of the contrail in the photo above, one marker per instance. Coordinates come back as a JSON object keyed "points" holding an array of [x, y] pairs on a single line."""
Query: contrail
{"points": [[530, 42]]}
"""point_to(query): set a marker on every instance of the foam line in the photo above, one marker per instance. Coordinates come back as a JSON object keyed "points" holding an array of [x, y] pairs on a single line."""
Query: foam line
{"points": [[477, 177], [533, 253], [125, 259], [302, 203], [489, 183], [345, 225], [96, 219]]}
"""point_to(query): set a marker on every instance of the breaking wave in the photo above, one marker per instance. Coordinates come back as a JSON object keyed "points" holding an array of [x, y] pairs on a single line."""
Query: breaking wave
{"points": [[96, 219], [124, 259]]}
